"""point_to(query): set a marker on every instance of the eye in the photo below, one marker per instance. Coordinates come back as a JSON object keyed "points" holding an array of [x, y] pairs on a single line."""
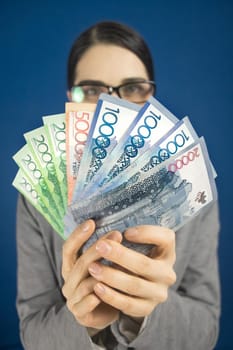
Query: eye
{"points": [[87, 93], [92, 90], [134, 88]]}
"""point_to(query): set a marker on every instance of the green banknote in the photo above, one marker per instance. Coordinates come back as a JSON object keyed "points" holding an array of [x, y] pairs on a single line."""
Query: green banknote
{"points": [[55, 128], [27, 162], [23, 184], [38, 143]]}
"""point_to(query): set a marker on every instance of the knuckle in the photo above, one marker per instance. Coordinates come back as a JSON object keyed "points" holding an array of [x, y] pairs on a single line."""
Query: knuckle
{"points": [[82, 320], [63, 272], [164, 295], [170, 237], [172, 277], [92, 302], [148, 309], [65, 249], [134, 284], [174, 258], [161, 294], [83, 289], [88, 320], [64, 291], [127, 307], [169, 275], [70, 306], [147, 265], [81, 265], [118, 251]]}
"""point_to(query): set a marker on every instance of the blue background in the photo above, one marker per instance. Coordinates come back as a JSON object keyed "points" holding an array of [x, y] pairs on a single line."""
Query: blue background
{"points": [[192, 46]]}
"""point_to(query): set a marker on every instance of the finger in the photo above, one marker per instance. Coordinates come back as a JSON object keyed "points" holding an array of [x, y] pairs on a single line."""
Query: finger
{"points": [[129, 305], [114, 236], [85, 288], [79, 270], [85, 306], [129, 259], [73, 244], [102, 316], [162, 237], [133, 261], [131, 284], [91, 254]]}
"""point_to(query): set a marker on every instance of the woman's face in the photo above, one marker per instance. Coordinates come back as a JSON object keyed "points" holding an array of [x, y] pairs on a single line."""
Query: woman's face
{"points": [[110, 65]]}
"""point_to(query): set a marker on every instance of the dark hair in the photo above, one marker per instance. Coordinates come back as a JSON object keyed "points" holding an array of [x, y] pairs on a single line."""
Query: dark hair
{"points": [[110, 33]]}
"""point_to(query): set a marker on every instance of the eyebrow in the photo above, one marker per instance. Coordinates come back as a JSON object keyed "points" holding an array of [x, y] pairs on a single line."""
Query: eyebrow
{"points": [[100, 82]]}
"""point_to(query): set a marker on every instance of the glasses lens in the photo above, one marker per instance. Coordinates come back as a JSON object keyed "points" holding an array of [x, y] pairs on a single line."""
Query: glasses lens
{"points": [[77, 94], [137, 91], [87, 93]]}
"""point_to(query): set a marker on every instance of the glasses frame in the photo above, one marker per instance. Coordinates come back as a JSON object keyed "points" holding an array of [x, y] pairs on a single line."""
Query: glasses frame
{"points": [[116, 89]]}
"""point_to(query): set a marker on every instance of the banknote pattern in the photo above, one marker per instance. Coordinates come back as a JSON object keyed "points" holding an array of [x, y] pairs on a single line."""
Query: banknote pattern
{"points": [[112, 118], [118, 163], [167, 195], [150, 124], [78, 121]]}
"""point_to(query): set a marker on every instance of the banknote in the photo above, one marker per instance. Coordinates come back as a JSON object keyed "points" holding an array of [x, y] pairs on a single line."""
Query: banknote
{"points": [[111, 119], [23, 184], [167, 195], [28, 164], [179, 137], [152, 122], [78, 120], [37, 141], [55, 129]]}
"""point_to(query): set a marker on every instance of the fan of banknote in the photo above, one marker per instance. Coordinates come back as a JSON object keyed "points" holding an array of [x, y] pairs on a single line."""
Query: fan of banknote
{"points": [[118, 163]]}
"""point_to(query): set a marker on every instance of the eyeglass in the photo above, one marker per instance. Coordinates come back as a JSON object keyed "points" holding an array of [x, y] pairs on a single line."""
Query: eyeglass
{"points": [[137, 91]]}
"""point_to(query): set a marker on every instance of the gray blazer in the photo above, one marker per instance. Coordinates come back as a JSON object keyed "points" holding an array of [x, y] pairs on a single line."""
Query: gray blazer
{"points": [[188, 320]]}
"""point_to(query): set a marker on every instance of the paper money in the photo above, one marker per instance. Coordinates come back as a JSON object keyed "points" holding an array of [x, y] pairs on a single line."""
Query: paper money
{"points": [[179, 137], [37, 141], [168, 195], [78, 120], [23, 184], [152, 122], [28, 164], [55, 129], [118, 163], [111, 119]]}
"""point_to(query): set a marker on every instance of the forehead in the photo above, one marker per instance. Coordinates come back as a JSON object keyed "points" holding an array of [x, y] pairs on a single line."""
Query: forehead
{"points": [[110, 64]]}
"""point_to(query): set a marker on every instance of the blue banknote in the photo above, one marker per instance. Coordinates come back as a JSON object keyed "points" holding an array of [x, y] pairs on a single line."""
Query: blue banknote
{"points": [[179, 137], [111, 119], [167, 195], [152, 122]]}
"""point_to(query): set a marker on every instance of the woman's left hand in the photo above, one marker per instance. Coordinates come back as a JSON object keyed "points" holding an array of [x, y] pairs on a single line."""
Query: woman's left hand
{"points": [[139, 283]]}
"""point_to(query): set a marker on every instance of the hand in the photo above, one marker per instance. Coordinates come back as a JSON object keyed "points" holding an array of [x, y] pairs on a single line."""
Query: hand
{"points": [[78, 289], [141, 282]]}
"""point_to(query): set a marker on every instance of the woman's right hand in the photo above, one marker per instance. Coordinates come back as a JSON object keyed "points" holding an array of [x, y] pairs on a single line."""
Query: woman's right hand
{"points": [[78, 288]]}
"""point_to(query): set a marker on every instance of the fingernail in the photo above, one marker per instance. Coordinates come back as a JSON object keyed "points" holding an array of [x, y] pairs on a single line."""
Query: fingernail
{"points": [[132, 231], [95, 269], [112, 235], [103, 247], [115, 236], [85, 226]]}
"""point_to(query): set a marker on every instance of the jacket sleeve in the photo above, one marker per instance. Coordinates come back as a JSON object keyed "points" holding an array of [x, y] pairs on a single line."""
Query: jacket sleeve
{"points": [[189, 319], [45, 321]]}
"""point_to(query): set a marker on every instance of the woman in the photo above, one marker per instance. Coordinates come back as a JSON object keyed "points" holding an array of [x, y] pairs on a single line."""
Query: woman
{"points": [[70, 301]]}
